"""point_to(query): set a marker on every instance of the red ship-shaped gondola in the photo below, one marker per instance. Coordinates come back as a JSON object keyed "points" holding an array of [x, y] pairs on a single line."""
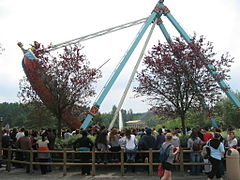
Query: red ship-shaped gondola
{"points": [[36, 76]]}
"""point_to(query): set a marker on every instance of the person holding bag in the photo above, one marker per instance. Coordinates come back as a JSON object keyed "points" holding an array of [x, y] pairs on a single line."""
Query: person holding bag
{"points": [[166, 166]]}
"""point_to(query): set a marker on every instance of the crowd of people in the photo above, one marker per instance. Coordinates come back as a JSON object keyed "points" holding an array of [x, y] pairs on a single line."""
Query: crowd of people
{"points": [[131, 140]]}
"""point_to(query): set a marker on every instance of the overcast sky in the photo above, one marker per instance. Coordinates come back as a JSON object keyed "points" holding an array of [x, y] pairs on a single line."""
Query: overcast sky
{"points": [[55, 21]]}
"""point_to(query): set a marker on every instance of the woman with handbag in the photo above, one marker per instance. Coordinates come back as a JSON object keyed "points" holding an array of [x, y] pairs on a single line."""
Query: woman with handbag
{"points": [[167, 165]]}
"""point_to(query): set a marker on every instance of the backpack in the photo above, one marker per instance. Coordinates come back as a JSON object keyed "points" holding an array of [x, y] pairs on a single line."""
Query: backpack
{"points": [[164, 153], [206, 151], [196, 146]]}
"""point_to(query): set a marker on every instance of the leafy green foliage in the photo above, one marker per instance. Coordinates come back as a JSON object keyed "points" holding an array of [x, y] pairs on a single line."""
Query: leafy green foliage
{"points": [[68, 143], [25, 115], [228, 111]]}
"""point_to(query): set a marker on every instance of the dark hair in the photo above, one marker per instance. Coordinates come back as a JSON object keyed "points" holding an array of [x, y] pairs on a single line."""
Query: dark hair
{"points": [[206, 128], [84, 133], [148, 131], [194, 135], [160, 131], [77, 131], [218, 130], [43, 138], [217, 135], [34, 133], [26, 133], [128, 133], [101, 137], [102, 128]]}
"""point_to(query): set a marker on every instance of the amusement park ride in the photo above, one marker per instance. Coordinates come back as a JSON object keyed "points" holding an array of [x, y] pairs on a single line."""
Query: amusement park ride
{"points": [[30, 63]]}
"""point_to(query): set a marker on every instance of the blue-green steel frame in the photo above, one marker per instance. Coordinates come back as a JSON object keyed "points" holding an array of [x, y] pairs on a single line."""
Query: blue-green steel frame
{"points": [[156, 13]]}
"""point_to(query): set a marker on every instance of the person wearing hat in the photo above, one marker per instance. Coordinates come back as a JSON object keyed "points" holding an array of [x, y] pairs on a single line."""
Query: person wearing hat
{"points": [[168, 164]]}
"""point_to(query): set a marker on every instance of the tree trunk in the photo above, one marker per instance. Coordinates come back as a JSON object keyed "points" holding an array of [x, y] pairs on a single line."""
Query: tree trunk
{"points": [[59, 126], [40, 119], [183, 124]]}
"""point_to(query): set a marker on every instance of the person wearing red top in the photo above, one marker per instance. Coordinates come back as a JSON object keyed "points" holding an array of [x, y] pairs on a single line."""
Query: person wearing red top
{"points": [[206, 135], [43, 155]]}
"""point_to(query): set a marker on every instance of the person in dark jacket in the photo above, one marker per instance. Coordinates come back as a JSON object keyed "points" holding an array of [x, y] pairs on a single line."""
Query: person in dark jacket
{"points": [[160, 139], [84, 144], [25, 143], [101, 143], [5, 143], [147, 142]]}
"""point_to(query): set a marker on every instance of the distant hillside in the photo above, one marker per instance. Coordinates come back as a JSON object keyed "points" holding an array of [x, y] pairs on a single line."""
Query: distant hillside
{"points": [[144, 116]]}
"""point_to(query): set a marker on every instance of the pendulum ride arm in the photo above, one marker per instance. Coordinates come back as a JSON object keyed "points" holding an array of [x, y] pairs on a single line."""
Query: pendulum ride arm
{"points": [[225, 87], [94, 109], [131, 77], [96, 34]]}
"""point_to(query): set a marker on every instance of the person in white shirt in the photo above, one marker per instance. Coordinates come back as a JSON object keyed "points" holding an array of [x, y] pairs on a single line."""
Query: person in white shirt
{"points": [[67, 134], [232, 140], [20, 134], [130, 146]]}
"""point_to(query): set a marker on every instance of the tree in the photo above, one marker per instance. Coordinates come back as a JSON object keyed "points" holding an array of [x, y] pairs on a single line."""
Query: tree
{"points": [[11, 113], [26, 115], [67, 76], [175, 77], [229, 114], [38, 116]]}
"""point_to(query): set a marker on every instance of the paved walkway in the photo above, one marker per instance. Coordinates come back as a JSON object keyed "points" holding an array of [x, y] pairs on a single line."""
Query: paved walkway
{"points": [[19, 174]]}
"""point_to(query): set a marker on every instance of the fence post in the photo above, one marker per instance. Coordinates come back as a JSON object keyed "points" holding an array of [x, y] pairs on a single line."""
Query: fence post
{"points": [[150, 162], [93, 161], [64, 162], [31, 161], [73, 157], [122, 162], [8, 167], [181, 162]]}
